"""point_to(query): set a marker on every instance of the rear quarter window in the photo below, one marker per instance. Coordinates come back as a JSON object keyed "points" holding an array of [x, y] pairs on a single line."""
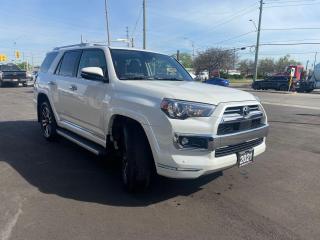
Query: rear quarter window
{"points": [[48, 61]]}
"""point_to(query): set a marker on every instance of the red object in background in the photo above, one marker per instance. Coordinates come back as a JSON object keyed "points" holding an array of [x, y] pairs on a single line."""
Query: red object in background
{"points": [[298, 74], [215, 73], [298, 71]]}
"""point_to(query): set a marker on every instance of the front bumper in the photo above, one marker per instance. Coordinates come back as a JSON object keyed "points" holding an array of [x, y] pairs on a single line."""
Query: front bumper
{"points": [[212, 165], [193, 163], [16, 80]]}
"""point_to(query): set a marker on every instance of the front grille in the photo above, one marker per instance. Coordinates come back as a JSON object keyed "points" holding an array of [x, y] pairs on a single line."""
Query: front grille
{"points": [[235, 119], [224, 151], [233, 127], [239, 109]]}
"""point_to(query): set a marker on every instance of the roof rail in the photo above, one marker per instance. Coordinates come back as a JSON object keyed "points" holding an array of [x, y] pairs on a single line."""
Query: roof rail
{"points": [[79, 45]]}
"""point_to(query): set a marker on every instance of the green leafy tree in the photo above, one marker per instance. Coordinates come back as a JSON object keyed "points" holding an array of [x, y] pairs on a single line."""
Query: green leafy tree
{"points": [[23, 65], [185, 59], [283, 62]]}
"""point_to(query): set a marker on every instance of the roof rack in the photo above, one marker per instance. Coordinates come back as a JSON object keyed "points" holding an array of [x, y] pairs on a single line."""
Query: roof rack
{"points": [[79, 45]]}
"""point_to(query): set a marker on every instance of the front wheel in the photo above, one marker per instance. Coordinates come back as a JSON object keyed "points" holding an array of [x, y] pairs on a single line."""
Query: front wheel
{"points": [[47, 121], [137, 159]]}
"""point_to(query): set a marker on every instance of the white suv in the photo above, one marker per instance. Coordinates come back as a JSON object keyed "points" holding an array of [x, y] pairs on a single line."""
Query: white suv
{"points": [[146, 107]]}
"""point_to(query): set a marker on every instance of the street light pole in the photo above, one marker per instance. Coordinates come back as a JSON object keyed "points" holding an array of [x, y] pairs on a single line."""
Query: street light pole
{"points": [[144, 26], [257, 45], [107, 21]]}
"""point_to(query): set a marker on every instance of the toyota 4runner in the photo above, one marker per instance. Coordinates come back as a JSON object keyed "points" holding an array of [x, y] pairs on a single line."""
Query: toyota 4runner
{"points": [[146, 107]]}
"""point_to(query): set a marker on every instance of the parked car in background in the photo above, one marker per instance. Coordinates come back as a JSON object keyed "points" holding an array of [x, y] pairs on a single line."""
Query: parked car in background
{"points": [[218, 81], [280, 83], [202, 76], [12, 74]]}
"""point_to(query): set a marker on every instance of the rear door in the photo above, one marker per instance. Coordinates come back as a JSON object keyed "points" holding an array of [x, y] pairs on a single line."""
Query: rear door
{"points": [[66, 81]]}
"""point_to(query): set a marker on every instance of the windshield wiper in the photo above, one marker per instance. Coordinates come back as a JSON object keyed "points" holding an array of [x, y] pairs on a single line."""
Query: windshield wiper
{"points": [[168, 79]]}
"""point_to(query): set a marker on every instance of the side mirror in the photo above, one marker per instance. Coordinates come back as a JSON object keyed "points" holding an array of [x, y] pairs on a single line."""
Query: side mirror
{"points": [[93, 73]]}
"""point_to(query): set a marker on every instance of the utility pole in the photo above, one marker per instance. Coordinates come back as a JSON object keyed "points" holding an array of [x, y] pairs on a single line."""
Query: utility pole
{"points": [[178, 55], [107, 21], [128, 39], [144, 26], [315, 60], [132, 42], [192, 44], [257, 45]]}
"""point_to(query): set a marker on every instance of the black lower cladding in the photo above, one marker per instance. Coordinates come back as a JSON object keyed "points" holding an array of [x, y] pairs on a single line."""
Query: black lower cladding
{"points": [[224, 151], [233, 127]]}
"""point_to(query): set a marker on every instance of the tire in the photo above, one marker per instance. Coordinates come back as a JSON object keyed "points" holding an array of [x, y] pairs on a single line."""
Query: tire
{"points": [[47, 121], [137, 161], [1, 84]]}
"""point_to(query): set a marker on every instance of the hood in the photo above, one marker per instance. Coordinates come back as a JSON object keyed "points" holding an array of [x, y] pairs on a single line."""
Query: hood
{"points": [[191, 91]]}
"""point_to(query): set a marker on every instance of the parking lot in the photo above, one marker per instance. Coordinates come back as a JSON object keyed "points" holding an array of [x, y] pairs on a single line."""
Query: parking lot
{"points": [[60, 191]]}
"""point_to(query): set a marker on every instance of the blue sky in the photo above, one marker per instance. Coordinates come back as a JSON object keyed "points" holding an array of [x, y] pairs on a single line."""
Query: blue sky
{"points": [[36, 26]]}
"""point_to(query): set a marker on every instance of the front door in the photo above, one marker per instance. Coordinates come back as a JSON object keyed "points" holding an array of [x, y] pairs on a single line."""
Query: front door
{"points": [[93, 96]]}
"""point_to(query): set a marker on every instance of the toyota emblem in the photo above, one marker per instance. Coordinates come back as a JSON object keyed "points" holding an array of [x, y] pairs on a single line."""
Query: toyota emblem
{"points": [[245, 111]]}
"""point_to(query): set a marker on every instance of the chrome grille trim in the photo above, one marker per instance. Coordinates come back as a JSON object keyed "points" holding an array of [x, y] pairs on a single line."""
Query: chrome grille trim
{"points": [[236, 119]]}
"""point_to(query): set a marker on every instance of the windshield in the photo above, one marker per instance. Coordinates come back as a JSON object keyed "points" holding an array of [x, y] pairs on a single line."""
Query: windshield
{"points": [[139, 65], [9, 68]]}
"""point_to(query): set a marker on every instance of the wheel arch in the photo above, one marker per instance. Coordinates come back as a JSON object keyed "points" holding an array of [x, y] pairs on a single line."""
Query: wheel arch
{"points": [[40, 99], [118, 120]]}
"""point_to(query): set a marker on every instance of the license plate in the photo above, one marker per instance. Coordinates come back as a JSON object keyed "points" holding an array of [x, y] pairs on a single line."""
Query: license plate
{"points": [[245, 157], [15, 80]]}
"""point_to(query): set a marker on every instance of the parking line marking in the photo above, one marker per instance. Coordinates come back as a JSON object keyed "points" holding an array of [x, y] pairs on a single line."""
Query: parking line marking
{"points": [[292, 105]]}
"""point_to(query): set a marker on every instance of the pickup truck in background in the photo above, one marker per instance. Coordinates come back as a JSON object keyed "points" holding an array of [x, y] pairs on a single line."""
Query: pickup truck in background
{"points": [[280, 83], [12, 74]]}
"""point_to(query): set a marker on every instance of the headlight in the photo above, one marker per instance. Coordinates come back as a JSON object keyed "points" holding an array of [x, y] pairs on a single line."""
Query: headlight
{"points": [[179, 109]]}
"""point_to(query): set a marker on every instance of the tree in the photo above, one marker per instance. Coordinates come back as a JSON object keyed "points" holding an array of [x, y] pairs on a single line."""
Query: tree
{"points": [[266, 66], [185, 59], [214, 58], [284, 62], [24, 65], [246, 66]]}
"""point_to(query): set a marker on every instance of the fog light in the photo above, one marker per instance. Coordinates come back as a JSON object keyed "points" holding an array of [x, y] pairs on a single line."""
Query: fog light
{"points": [[184, 141], [193, 142]]}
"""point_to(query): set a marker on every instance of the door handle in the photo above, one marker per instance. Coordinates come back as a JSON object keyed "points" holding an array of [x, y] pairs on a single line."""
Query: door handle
{"points": [[73, 87]]}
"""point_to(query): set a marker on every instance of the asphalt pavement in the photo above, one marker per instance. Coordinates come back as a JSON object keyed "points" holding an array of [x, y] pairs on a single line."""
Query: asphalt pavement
{"points": [[60, 191]]}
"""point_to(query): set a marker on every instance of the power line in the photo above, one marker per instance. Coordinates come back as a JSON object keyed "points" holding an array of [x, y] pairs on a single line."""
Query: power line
{"points": [[287, 1], [238, 14], [292, 5], [136, 23], [235, 37], [290, 29], [289, 44]]}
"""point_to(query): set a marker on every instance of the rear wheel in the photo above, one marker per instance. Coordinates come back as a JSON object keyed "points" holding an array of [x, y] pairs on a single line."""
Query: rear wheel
{"points": [[47, 121], [137, 161]]}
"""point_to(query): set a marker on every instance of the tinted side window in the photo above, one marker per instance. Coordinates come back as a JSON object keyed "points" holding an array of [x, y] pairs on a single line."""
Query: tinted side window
{"points": [[93, 58], [48, 61], [69, 63]]}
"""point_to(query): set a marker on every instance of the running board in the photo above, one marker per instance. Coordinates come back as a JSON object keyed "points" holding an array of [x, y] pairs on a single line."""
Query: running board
{"points": [[82, 142]]}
